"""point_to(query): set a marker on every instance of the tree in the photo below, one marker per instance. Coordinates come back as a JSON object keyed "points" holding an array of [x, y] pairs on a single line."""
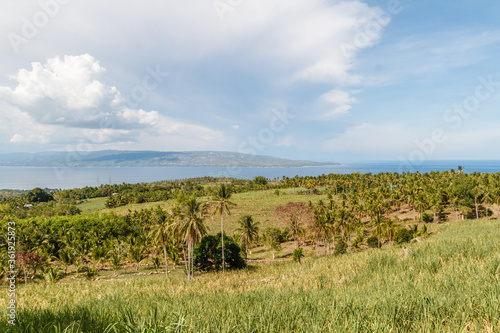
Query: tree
{"points": [[192, 227], [296, 214], [28, 262], [116, 255], [67, 257], [260, 180], [37, 195], [221, 204], [161, 231], [249, 231], [207, 254], [378, 224], [390, 227], [273, 237], [98, 254], [297, 255], [137, 253]]}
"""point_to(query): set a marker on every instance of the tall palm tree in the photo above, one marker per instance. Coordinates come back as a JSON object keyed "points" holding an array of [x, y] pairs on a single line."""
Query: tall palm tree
{"points": [[378, 224], [192, 227], [390, 227], [161, 230], [221, 199], [249, 231]]}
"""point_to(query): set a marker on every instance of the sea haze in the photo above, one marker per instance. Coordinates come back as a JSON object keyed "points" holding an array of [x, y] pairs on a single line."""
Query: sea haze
{"points": [[26, 178]]}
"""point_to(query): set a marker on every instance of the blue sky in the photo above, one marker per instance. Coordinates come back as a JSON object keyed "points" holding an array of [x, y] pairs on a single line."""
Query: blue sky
{"points": [[303, 79]]}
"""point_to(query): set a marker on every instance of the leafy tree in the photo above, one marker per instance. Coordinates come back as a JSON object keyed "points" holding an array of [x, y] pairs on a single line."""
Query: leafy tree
{"points": [[38, 195], [260, 180], [207, 254]]}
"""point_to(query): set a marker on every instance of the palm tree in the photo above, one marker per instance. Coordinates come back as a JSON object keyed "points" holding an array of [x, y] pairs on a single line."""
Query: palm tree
{"points": [[192, 227], [99, 254], [477, 192], [390, 227], [222, 203], [116, 256], [379, 227], [137, 253], [249, 231], [161, 231], [67, 257]]}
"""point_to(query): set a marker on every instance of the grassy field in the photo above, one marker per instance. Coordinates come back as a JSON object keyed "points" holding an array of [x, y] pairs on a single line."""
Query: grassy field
{"points": [[260, 204], [448, 283]]}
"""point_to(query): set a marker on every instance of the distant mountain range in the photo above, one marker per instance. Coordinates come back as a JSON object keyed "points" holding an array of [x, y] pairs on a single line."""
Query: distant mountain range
{"points": [[117, 158]]}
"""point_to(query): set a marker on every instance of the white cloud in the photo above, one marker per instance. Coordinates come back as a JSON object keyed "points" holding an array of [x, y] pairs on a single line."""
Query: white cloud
{"points": [[65, 101], [269, 44], [340, 100]]}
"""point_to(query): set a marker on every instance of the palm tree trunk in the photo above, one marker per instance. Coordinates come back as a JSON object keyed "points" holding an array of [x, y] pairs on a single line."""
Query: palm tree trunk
{"points": [[192, 260], [333, 243], [246, 249], [184, 255], [165, 255], [477, 212], [222, 238]]}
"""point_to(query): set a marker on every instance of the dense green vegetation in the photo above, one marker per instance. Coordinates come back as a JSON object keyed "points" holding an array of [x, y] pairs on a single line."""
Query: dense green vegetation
{"points": [[447, 283], [176, 228]]}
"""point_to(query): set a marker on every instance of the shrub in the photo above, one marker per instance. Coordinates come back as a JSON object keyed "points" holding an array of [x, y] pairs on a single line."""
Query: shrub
{"points": [[357, 242], [373, 242], [260, 180], [340, 247], [297, 255], [208, 254], [426, 217], [403, 236]]}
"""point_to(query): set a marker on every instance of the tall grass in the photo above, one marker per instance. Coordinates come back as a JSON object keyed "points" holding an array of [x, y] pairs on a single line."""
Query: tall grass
{"points": [[447, 283]]}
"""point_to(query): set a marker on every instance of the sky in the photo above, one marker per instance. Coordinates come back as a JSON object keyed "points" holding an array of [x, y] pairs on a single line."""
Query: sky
{"points": [[319, 80]]}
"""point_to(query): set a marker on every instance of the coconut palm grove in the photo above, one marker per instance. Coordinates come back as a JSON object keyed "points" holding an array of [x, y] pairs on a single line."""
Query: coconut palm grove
{"points": [[401, 252]]}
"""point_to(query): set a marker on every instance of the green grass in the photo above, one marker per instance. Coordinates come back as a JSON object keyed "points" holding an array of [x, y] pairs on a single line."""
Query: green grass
{"points": [[260, 204], [448, 283], [92, 205]]}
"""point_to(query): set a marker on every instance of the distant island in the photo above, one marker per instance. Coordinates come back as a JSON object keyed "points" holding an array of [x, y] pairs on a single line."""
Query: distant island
{"points": [[117, 158]]}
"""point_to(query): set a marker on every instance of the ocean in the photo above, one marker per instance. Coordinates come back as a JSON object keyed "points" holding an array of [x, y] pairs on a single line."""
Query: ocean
{"points": [[26, 178]]}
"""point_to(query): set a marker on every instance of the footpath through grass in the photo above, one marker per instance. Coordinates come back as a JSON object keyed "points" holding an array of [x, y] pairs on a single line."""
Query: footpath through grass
{"points": [[448, 283]]}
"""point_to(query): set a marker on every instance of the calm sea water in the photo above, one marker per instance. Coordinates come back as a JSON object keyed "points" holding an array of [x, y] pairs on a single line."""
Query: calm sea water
{"points": [[26, 178]]}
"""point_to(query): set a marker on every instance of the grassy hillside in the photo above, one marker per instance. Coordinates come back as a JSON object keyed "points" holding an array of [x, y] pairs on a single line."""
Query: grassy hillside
{"points": [[448, 283]]}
